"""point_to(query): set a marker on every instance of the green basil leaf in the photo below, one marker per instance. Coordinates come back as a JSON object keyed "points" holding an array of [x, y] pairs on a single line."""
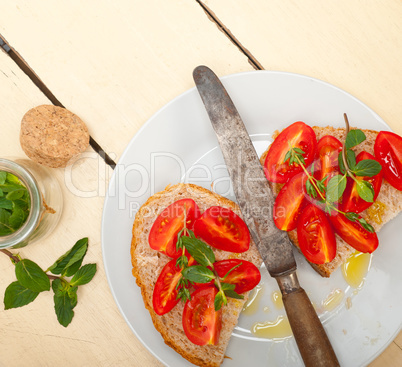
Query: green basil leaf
{"points": [[365, 190], [1, 193], [367, 167], [84, 275], [335, 188], [3, 176], [198, 274], [16, 295], [64, 261], [354, 137], [199, 250], [31, 276], [232, 294]]}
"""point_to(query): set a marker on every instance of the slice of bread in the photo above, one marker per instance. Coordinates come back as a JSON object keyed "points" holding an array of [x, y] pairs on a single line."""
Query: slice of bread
{"points": [[148, 263], [387, 205]]}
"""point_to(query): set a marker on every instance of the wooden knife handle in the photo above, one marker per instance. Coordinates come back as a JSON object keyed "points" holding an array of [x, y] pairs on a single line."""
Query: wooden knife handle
{"points": [[312, 341]]}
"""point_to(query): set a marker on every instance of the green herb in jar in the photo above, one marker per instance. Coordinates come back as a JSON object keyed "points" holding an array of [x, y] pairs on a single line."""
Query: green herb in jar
{"points": [[15, 203]]}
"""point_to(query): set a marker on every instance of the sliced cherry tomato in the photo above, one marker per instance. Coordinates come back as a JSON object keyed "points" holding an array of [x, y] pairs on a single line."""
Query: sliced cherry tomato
{"points": [[316, 237], [163, 234], [328, 148], [298, 135], [245, 276], [290, 202], [223, 229], [165, 292], [201, 323], [388, 150], [351, 201], [354, 234]]}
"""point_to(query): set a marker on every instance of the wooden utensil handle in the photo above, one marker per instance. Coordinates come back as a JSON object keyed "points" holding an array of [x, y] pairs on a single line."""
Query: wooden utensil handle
{"points": [[314, 345]]}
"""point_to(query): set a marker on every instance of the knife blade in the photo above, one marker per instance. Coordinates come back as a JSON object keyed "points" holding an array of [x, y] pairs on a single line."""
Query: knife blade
{"points": [[255, 199]]}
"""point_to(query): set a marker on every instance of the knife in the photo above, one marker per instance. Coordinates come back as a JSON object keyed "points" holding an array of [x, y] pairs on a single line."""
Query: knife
{"points": [[255, 199]]}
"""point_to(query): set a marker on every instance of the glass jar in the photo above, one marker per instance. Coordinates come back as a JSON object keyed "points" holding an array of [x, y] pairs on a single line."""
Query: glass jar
{"points": [[46, 202]]}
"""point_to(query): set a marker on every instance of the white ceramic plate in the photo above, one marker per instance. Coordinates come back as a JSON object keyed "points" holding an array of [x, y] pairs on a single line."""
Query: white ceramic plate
{"points": [[178, 144]]}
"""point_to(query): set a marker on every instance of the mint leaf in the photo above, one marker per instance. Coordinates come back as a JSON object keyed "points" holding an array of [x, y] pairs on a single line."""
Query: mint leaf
{"points": [[16, 194], [335, 188], [13, 179], [84, 275], [16, 295], [31, 276], [354, 137], [368, 227], [350, 160], [72, 294], [365, 190], [367, 167], [232, 294], [199, 250], [352, 216], [310, 189], [75, 261], [64, 303], [5, 228], [6, 204], [198, 274], [17, 218], [228, 286], [61, 263], [3, 176], [219, 300], [9, 187]]}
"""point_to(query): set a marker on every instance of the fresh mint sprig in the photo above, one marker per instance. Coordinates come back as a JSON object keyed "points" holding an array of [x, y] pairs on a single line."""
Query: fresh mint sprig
{"points": [[14, 203], [205, 272], [32, 280], [332, 192]]}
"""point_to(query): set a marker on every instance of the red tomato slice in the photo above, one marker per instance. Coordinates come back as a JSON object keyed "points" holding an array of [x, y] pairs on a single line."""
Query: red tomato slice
{"points": [[201, 323], [163, 234], [298, 135], [165, 292], [354, 234], [223, 229], [316, 237], [328, 148], [351, 201], [245, 277], [388, 150], [290, 202]]}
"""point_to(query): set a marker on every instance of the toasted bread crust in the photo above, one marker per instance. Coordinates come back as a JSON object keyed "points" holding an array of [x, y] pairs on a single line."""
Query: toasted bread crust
{"points": [[147, 265], [389, 200]]}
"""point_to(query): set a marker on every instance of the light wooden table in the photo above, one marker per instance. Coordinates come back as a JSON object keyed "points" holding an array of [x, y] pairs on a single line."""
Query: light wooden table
{"points": [[115, 63]]}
